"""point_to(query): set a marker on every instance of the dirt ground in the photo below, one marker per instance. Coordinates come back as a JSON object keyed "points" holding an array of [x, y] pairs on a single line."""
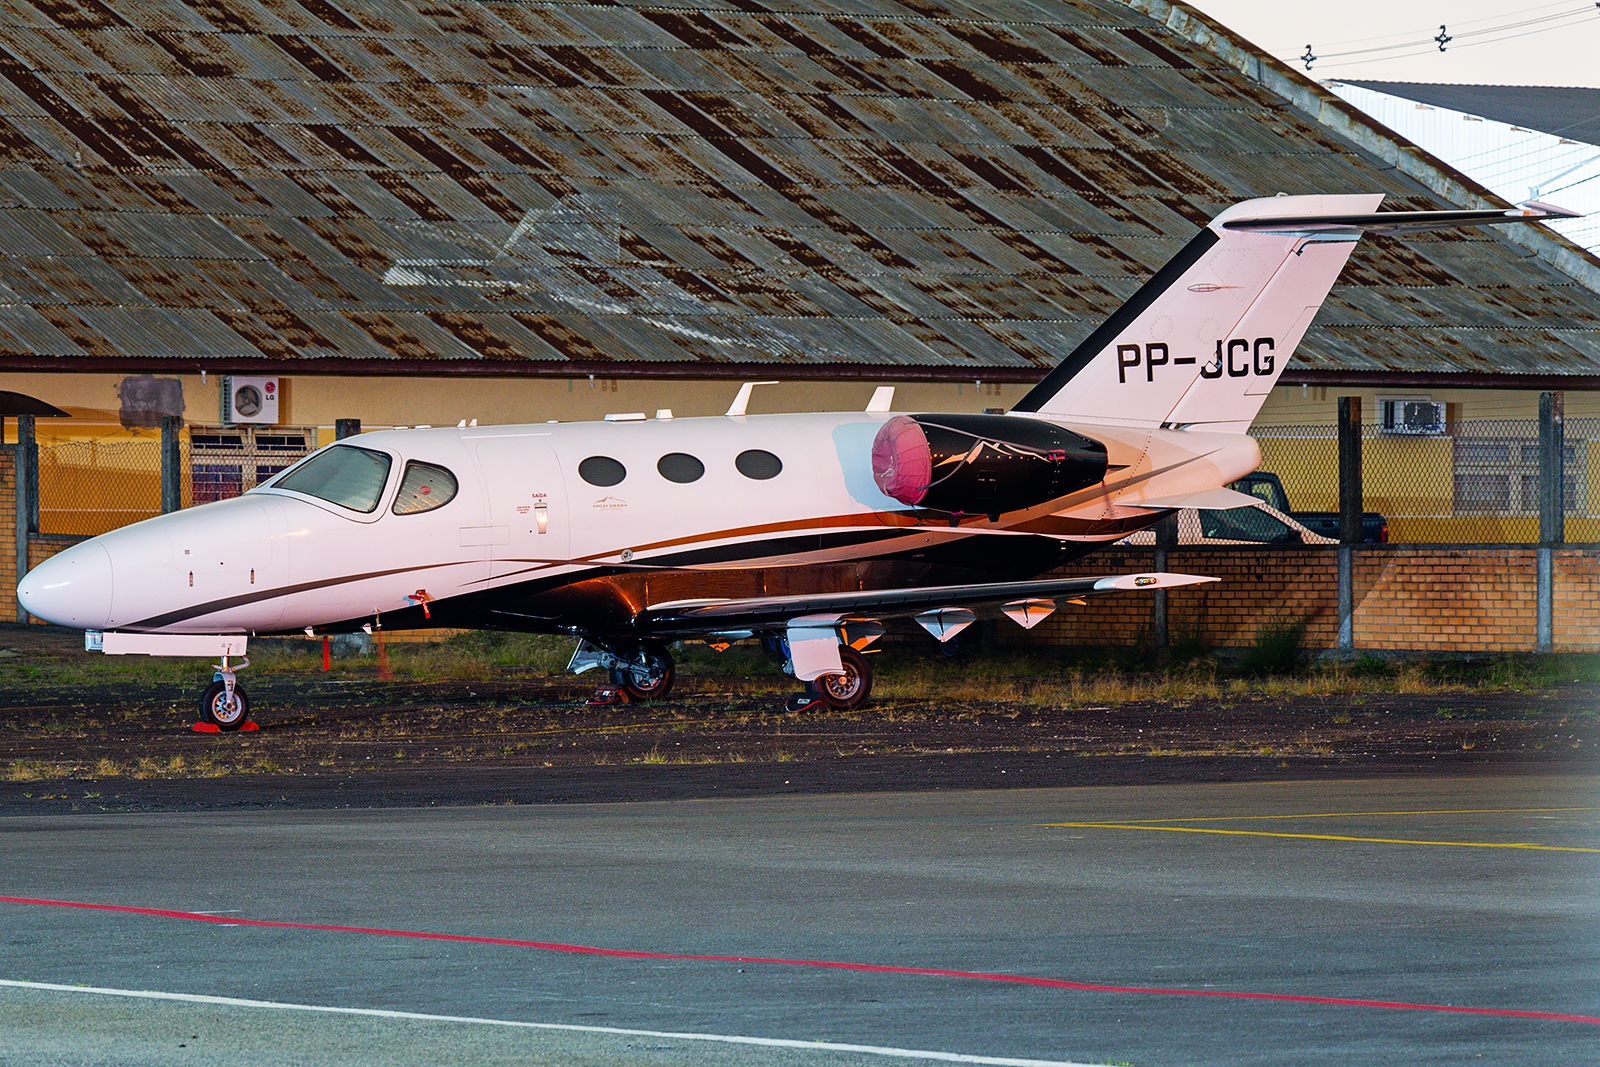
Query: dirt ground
{"points": [[71, 740]]}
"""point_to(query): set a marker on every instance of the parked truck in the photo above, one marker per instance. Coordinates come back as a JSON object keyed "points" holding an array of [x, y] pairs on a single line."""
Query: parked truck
{"points": [[1268, 488]]}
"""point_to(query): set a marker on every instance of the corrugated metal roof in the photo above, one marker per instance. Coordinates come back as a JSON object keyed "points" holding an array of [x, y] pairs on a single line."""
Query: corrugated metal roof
{"points": [[887, 187], [1566, 110]]}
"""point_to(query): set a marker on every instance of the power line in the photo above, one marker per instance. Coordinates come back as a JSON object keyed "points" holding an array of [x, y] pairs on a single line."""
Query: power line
{"points": [[1467, 22], [1544, 23]]}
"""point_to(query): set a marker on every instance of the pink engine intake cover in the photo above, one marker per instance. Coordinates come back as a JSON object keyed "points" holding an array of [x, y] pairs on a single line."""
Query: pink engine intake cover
{"points": [[902, 463]]}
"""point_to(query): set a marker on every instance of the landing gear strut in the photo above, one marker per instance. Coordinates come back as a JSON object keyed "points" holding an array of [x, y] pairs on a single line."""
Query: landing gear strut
{"points": [[647, 676], [225, 704]]}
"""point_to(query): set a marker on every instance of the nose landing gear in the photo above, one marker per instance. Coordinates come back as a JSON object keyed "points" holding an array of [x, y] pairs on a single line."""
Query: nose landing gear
{"points": [[224, 704]]}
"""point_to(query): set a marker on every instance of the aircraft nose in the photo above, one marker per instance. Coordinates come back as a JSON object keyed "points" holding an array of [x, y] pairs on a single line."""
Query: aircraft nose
{"points": [[72, 588]]}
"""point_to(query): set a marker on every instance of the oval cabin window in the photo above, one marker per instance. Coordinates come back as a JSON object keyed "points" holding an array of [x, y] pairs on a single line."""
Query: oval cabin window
{"points": [[680, 467], [424, 488], [602, 471], [758, 464]]}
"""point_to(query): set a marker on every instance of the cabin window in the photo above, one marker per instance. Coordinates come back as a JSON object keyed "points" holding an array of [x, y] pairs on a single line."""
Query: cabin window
{"points": [[680, 467], [344, 474], [424, 488], [602, 471], [758, 464]]}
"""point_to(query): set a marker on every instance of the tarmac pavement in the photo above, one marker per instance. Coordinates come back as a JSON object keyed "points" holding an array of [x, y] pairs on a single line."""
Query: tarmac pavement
{"points": [[1107, 925]]}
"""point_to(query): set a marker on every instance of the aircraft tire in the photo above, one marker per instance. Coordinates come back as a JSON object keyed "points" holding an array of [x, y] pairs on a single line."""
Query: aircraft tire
{"points": [[848, 690], [213, 712], [659, 685]]}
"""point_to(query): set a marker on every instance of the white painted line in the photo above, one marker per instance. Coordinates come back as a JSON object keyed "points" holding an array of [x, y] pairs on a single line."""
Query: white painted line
{"points": [[381, 1013]]}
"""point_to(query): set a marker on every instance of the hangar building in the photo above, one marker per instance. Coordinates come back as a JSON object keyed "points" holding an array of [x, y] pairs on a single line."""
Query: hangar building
{"points": [[417, 213]]}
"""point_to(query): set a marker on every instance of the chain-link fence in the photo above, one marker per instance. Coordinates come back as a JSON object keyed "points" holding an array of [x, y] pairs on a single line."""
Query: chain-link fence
{"points": [[1477, 483], [88, 487]]}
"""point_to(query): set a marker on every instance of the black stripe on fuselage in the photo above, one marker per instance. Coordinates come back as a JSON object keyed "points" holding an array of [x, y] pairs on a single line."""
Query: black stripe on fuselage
{"points": [[543, 604], [742, 551], [1084, 354]]}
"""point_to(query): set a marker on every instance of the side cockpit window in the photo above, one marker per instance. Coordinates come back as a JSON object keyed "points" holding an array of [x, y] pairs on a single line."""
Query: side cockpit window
{"points": [[424, 488], [345, 475]]}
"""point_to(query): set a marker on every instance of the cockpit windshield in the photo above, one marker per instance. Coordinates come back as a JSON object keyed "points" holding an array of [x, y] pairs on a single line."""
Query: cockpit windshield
{"points": [[345, 475]]}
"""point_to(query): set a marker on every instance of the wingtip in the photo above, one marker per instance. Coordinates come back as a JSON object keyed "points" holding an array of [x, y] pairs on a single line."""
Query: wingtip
{"points": [[1539, 209], [1151, 581]]}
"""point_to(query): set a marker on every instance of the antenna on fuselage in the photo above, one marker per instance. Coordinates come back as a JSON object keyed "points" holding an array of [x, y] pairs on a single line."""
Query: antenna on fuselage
{"points": [[742, 400]]}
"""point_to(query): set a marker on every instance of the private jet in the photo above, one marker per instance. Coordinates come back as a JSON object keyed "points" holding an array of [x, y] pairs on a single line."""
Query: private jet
{"points": [[809, 531]]}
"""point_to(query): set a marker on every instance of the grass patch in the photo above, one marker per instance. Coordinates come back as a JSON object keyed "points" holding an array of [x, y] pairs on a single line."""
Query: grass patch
{"points": [[912, 677], [1278, 648]]}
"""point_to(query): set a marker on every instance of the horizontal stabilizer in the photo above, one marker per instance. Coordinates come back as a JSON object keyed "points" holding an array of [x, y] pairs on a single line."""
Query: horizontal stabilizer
{"points": [[1398, 221], [1219, 499]]}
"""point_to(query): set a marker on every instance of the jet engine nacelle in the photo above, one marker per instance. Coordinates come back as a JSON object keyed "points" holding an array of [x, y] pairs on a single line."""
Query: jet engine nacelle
{"points": [[982, 464]]}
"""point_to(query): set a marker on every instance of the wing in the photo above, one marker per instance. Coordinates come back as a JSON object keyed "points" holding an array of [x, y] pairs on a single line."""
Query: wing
{"points": [[687, 617]]}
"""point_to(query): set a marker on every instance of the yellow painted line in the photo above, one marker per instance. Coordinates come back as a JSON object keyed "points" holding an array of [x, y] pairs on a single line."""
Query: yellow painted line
{"points": [[1359, 814], [1319, 837]]}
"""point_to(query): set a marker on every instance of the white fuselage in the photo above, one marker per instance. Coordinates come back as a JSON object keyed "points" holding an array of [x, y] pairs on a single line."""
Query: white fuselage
{"points": [[523, 516]]}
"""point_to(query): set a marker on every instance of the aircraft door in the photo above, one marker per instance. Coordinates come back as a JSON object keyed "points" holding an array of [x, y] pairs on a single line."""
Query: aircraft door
{"points": [[527, 498]]}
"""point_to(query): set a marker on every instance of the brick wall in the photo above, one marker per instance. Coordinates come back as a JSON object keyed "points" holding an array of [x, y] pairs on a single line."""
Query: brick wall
{"points": [[1576, 608], [1440, 598], [1429, 598]]}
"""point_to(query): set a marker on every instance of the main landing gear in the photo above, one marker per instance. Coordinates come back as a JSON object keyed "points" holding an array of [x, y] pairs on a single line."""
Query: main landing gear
{"points": [[644, 672], [646, 676], [224, 706], [844, 691]]}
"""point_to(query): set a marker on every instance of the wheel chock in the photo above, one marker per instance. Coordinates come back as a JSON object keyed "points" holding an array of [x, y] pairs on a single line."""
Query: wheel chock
{"points": [[608, 695], [246, 726], [802, 702], [212, 728]]}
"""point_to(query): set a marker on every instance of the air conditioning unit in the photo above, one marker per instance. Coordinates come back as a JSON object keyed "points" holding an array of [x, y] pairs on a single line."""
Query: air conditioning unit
{"points": [[249, 400], [1411, 417]]}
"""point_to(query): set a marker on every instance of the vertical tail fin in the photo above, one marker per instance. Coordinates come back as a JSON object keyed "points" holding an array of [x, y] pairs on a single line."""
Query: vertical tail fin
{"points": [[1204, 341], [1207, 337]]}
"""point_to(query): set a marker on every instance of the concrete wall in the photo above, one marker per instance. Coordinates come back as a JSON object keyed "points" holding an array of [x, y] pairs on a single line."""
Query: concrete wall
{"points": [[1422, 598]]}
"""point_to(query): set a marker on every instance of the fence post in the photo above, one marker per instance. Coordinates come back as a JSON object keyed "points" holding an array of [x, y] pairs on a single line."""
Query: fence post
{"points": [[171, 464], [343, 428], [1552, 509], [1552, 475], [27, 476], [1349, 515], [1166, 540]]}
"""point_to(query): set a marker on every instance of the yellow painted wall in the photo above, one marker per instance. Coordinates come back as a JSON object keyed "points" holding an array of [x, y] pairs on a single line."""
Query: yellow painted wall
{"points": [[1410, 480], [443, 401]]}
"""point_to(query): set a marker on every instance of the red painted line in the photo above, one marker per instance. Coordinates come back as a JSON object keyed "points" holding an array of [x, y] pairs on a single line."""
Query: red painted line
{"points": [[835, 965]]}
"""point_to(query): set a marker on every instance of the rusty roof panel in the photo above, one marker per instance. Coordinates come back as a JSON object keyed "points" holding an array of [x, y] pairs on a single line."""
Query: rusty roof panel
{"points": [[886, 184]]}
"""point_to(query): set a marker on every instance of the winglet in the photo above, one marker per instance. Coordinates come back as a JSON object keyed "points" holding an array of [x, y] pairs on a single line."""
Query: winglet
{"points": [[882, 398]]}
